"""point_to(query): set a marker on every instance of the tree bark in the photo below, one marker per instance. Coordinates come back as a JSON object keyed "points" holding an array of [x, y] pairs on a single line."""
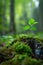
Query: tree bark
{"points": [[12, 23], [41, 13]]}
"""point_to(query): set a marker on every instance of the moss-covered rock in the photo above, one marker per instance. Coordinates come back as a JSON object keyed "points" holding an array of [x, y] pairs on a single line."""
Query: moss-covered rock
{"points": [[19, 53]]}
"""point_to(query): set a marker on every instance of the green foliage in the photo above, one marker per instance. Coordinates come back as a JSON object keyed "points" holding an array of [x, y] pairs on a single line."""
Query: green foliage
{"points": [[22, 48], [32, 22], [26, 27], [33, 28], [6, 40], [30, 25], [21, 59], [30, 61], [19, 53]]}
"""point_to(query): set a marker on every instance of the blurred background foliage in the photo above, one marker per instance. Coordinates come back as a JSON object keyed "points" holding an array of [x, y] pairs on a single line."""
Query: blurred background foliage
{"points": [[15, 14]]}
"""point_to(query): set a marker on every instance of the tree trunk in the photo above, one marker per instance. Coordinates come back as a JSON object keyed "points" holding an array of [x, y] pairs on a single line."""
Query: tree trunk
{"points": [[2, 17], [41, 13], [12, 23]]}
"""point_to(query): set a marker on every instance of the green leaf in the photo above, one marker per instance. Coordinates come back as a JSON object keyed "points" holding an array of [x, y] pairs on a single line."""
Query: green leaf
{"points": [[34, 28], [26, 27], [32, 22]]}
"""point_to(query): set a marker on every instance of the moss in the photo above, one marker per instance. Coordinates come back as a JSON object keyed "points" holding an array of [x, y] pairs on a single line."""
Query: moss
{"points": [[19, 53]]}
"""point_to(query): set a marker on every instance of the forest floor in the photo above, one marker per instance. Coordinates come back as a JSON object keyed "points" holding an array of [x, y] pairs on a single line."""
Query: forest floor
{"points": [[22, 50]]}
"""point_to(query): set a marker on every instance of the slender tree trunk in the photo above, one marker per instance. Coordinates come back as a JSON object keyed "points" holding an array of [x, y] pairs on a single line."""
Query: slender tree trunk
{"points": [[12, 23], [41, 13], [2, 16]]}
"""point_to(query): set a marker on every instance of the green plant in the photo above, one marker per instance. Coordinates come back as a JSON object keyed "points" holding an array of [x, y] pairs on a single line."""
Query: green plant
{"points": [[6, 40], [30, 61], [22, 48], [21, 59], [30, 25]]}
